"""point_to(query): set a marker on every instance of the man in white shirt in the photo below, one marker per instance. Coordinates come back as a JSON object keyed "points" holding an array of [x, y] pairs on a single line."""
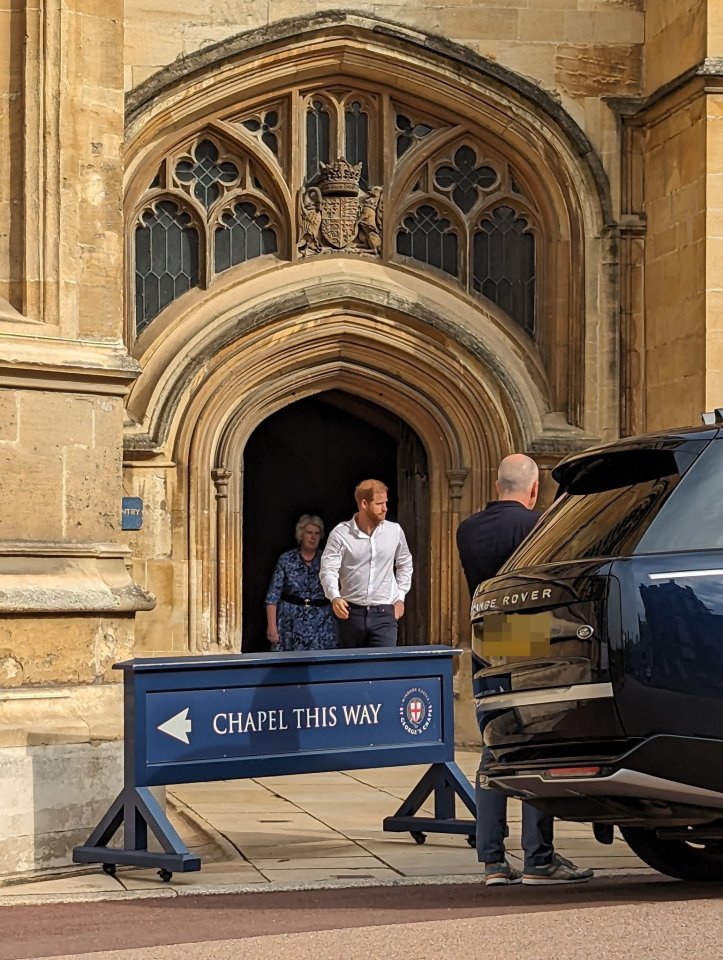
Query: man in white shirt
{"points": [[366, 571]]}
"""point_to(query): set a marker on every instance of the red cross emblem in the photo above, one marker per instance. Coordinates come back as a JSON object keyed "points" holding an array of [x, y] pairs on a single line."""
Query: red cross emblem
{"points": [[415, 710]]}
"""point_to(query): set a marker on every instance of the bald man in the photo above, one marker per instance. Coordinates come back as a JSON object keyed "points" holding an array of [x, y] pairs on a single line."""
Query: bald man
{"points": [[488, 538], [485, 541]]}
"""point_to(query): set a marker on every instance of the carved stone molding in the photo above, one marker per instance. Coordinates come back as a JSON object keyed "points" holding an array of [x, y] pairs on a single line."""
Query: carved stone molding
{"points": [[456, 480], [336, 215], [61, 578]]}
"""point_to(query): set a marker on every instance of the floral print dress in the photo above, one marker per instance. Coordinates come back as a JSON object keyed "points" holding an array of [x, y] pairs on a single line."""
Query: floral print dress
{"points": [[300, 627]]}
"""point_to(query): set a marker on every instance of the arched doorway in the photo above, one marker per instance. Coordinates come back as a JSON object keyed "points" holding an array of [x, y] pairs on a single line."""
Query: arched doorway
{"points": [[405, 309], [307, 458]]}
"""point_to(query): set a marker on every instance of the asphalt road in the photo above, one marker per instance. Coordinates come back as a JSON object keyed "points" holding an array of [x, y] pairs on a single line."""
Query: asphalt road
{"points": [[640, 918]]}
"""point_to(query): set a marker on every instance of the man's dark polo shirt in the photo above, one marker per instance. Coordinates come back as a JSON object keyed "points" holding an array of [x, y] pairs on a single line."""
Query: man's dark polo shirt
{"points": [[488, 538]]}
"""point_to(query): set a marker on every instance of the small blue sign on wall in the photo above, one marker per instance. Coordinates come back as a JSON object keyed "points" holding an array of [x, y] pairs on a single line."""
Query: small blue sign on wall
{"points": [[131, 513]]}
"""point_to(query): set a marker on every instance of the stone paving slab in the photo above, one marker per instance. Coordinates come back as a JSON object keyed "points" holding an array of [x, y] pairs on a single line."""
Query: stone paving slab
{"points": [[312, 830]]}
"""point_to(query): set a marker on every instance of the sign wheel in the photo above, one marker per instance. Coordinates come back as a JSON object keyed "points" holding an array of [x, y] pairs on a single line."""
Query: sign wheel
{"points": [[418, 836], [109, 868], [165, 875]]}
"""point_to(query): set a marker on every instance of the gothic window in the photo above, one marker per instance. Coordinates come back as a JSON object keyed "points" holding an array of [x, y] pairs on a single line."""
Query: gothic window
{"points": [[166, 248], [266, 128], [427, 236], [243, 233], [205, 173], [464, 179], [503, 264], [317, 138], [250, 186], [409, 133], [357, 139]]}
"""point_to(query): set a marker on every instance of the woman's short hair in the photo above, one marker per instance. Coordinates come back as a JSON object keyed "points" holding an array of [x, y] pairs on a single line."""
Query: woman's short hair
{"points": [[306, 520]]}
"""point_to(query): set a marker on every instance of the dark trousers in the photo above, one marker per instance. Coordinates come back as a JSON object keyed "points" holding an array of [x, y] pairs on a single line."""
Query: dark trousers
{"points": [[492, 826], [368, 627]]}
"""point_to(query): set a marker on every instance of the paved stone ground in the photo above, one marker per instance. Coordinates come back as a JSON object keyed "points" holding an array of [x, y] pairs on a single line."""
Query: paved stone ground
{"points": [[309, 830]]}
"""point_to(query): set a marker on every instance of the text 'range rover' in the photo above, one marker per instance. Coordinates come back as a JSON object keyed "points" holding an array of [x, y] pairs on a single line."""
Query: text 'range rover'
{"points": [[598, 651]]}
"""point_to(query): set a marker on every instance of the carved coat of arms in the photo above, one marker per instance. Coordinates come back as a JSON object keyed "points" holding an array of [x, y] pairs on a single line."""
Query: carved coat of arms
{"points": [[335, 214]]}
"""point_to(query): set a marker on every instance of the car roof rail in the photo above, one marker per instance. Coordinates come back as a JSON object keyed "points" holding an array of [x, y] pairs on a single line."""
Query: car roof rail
{"points": [[713, 417]]}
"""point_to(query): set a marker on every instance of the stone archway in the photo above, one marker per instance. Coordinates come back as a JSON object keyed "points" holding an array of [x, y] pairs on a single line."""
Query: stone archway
{"points": [[307, 458], [458, 384], [250, 340]]}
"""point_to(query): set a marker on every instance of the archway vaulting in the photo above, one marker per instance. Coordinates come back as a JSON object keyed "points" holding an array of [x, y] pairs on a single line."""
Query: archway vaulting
{"points": [[422, 241]]}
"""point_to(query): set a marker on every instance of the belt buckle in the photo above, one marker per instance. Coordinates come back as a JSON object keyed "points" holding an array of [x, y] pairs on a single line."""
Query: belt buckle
{"points": [[307, 602]]}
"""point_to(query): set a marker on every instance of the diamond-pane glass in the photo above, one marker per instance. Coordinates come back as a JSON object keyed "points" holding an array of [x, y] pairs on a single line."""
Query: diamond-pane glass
{"points": [[317, 138], [166, 259], [206, 173], [242, 235], [503, 266], [357, 140], [427, 236]]}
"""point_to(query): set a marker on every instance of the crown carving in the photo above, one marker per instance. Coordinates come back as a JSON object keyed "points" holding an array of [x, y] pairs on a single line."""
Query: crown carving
{"points": [[340, 178]]}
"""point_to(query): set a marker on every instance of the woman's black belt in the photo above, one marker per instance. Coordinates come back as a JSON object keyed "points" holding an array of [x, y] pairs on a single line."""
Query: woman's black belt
{"points": [[304, 601]]}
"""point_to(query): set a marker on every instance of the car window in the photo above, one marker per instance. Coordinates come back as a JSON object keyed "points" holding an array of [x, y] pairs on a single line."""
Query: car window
{"points": [[693, 520], [609, 505]]}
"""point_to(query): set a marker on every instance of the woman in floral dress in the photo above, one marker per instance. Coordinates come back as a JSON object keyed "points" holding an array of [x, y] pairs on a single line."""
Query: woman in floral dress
{"points": [[298, 615]]}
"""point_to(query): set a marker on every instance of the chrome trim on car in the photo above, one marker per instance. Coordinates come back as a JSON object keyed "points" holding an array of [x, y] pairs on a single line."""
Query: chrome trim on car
{"points": [[528, 698], [685, 574], [622, 783]]}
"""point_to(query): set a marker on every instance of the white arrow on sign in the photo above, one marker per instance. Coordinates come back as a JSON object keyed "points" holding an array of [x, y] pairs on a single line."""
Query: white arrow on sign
{"points": [[178, 726]]}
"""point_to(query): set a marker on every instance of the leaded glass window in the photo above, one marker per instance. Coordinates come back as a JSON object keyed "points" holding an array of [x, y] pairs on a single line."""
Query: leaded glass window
{"points": [[465, 179], [409, 133], [427, 236], [357, 140], [503, 264], [206, 173], [266, 128], [166, 245], [243, 233], [317, 138]]}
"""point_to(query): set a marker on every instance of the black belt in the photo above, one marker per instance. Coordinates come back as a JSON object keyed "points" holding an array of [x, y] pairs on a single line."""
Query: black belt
{"points": [[304, 601], [372, 607]]}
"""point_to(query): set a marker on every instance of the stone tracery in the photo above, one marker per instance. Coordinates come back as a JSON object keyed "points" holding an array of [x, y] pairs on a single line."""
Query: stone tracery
{"points": [[443, 195]]}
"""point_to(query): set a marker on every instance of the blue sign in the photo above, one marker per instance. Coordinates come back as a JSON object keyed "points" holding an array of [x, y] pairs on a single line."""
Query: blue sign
{"points": [[274, 721], [234, 716], [131, 513]]}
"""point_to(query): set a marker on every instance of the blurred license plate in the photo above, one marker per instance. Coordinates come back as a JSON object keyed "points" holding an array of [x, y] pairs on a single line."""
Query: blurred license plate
{"points": [[515, 635]]}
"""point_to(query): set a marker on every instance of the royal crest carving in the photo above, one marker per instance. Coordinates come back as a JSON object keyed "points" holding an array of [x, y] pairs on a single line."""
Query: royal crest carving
{"points": [[336, 214]]}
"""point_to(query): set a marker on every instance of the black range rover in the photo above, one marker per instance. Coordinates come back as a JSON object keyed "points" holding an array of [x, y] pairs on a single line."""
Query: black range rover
{"points": [[599, 651]]}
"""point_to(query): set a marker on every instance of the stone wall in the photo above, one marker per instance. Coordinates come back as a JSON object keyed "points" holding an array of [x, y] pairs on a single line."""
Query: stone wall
{"points": [[675, 281], [580, 49], [11, 136], [67, 602], [675, 39]]}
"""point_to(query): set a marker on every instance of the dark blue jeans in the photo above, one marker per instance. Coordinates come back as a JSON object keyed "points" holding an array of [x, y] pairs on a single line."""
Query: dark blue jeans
{"points": [[374, 626], [492, 826]]}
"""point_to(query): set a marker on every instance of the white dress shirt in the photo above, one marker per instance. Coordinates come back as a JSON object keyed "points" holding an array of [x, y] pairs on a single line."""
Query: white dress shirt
{"points": [[365, 569]]}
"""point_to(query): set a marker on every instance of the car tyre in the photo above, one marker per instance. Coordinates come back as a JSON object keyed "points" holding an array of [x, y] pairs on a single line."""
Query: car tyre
{"points": [[676, 858]]}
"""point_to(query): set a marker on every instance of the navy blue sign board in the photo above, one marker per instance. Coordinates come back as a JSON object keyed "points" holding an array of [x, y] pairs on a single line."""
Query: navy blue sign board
{"points": [[236, 716], [131, 513]]}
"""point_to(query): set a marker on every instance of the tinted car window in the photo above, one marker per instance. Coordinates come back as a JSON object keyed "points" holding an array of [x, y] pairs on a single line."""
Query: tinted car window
{"points": [[608, 506], [693, 520]]}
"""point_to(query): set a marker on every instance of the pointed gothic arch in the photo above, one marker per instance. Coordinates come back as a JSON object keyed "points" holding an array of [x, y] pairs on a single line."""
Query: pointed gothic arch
{"points": [[458, 368]]}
